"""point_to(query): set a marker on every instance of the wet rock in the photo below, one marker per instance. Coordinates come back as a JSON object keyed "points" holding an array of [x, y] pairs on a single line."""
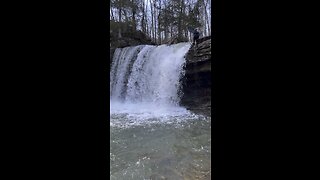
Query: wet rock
{"points": [[197, 83]]}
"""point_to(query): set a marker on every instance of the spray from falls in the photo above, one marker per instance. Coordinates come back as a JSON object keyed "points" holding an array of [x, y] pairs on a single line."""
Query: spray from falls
{"points": [[146, 79]]}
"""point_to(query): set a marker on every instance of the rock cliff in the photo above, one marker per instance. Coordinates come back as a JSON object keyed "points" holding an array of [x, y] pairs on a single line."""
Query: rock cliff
{"points": [[197, 82]]}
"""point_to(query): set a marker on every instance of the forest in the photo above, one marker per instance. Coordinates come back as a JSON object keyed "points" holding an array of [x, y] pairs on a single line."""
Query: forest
{"points": [[162, 20]]}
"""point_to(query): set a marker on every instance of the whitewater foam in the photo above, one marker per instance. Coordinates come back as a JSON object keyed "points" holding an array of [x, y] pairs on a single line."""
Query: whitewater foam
{"points": [[145, 83]]}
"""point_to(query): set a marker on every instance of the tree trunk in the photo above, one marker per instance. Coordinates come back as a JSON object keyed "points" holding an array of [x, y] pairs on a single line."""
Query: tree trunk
{"points": [[179, 22], [119, 32], [142, 19], [206, 17], [159, 30], [152, 25]]}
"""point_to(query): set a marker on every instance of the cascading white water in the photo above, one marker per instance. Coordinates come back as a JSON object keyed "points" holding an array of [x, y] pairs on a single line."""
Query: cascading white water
{"points": [[145, 80]]}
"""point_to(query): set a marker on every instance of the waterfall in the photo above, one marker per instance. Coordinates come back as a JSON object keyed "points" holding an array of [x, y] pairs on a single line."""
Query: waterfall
{"points": [[147, 78]]}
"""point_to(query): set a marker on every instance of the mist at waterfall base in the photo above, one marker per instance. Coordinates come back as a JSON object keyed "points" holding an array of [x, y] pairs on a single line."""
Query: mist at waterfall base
{"points": [[151, 135]]}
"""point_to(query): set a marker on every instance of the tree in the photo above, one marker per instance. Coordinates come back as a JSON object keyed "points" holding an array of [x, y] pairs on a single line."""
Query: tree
{"points": [[162, 20]]}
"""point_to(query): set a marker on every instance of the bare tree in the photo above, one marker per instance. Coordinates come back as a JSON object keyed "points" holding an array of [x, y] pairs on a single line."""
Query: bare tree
{"points": [[162, 19]]}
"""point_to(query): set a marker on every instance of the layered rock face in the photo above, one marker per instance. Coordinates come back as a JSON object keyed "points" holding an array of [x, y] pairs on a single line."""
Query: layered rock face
{"points": [[197, 82]]}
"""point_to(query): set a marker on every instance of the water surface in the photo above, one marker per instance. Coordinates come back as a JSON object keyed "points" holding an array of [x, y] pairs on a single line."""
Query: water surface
{"points": [[176, 147]]}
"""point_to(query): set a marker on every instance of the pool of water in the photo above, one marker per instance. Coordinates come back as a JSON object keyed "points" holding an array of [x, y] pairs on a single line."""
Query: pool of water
{"points": [[160, 147]]}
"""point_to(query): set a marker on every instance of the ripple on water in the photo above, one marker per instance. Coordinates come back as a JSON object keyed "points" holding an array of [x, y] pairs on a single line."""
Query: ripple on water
{"points": [[174, 148]]}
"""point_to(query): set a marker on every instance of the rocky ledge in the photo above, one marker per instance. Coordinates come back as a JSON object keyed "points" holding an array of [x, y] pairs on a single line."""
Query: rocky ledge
{"points": [[197, 81]]}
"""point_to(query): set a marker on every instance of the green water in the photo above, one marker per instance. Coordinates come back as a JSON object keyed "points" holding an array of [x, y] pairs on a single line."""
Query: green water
{"points": [[177, 150]]}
